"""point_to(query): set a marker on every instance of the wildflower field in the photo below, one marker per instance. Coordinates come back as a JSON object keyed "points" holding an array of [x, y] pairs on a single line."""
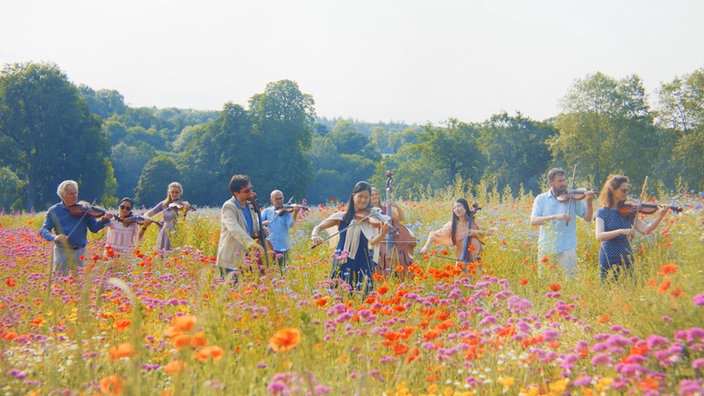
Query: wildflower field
{"points": [[168, 325]]}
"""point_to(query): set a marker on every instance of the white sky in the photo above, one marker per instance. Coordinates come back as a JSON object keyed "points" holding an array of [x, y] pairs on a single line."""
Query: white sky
{"points": [[406, 60]]}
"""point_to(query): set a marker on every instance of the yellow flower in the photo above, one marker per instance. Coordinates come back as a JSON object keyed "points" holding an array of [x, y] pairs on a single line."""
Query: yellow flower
{"points": [[559, 386], [506, 382]]}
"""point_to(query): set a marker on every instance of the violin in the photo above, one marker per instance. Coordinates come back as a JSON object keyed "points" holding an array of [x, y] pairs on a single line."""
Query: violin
{"points": [[575, 195], [289, 208], [374, 217], [128, 221], [178, 205], [629, 208], [83, 208]]}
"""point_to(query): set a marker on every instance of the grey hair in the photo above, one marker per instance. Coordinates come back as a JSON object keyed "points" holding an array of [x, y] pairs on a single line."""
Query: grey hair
{"points": [[61, 189]]}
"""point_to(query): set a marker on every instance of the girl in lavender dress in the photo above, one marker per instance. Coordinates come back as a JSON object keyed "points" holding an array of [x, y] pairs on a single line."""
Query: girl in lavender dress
{"points": [[169, 208]]}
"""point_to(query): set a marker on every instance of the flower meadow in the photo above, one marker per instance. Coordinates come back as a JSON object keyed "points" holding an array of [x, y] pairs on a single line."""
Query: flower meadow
{"points": [[147, 323]]}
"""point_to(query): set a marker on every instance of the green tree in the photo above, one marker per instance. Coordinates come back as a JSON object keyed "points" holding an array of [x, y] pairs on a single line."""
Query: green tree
{"points": [[10, 186], [606, 127], [282, 119], [216, 151], [48, 134], [516, 150], [682, 114], [154, 181], [103, 102], [129, 162]]}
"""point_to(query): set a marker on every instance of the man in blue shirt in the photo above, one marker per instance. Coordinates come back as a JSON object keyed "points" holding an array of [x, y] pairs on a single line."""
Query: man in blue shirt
{"points": [[279, 220], [558, 230], [69, 231]]}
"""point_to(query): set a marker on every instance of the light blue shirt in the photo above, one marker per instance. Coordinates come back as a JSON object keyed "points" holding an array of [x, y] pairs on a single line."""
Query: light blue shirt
{"points": [[556, 236], [247, 217], [278, 228]]}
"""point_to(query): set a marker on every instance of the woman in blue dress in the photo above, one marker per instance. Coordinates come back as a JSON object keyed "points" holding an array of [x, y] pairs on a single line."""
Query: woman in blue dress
{"points": [[353, 260], [615, 230]]}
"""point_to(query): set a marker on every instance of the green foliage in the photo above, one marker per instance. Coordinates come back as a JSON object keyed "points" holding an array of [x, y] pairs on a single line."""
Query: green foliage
{"points": [[515, 150], [49, 135], [129, 162], [339, 159], [682, 112], [282, 119], [606, 127], [103, 102], [10, 186], [156, 176]]}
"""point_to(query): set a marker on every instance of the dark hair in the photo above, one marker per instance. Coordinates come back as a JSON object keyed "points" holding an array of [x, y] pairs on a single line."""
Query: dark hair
{"points": [[554, 172], [455, 219], [126, 199], [237, 182], [359, 187]]}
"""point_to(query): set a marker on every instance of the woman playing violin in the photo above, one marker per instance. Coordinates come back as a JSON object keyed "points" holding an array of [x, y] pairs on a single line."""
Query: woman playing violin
{"points": [[170, 208], [614, 230], [460, 233], [354, 262], [123, 234]]}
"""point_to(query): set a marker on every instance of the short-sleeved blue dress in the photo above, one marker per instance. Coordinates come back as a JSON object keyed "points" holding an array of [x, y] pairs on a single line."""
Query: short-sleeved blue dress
{"points": [[615, 253]]}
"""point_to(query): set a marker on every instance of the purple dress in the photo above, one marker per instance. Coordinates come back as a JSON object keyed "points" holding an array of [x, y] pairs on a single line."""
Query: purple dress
{"points": [[163, 240]]}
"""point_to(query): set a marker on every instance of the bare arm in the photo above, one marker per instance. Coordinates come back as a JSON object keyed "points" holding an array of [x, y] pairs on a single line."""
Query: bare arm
{"points": [[324, 225], [602, 235], [646, 228]]}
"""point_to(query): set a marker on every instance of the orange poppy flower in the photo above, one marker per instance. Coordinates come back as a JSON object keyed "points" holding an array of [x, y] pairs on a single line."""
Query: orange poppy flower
{"points": [[122, 324], [211, 351], [523, 281], [180, 324], [121, 351], [400, 349], [664, 286], [382, 290], [174, 366], [555, 287], [285, 339], [111, 385], [668, 269]]}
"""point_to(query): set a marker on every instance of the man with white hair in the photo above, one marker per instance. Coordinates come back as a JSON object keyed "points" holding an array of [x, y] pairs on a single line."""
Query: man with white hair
{"points": [[68, 230], [278, 219]]}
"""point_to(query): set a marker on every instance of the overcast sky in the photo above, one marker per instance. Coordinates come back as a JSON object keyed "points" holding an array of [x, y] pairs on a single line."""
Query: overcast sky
{"points": [[408, 60]]}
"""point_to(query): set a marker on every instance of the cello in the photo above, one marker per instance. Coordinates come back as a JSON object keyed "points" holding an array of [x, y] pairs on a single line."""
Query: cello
{"points": [[265, 243], [397, 249]]}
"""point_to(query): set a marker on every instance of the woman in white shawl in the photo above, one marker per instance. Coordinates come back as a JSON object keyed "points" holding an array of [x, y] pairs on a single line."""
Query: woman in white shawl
{"points": [[353, 261]]}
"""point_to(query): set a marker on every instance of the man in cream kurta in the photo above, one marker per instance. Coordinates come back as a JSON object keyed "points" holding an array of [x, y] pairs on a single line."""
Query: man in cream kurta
{"points": [[238, 224]]}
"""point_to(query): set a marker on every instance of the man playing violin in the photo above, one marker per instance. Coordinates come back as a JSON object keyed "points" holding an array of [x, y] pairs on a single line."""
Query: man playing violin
{"points": [[238, 226], [558, 233], [278, 221], [69, 231], [123, 234]]}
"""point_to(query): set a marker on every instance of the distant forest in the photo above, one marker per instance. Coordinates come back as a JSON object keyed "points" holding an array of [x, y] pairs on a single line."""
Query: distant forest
{"points": [[51, 130]]}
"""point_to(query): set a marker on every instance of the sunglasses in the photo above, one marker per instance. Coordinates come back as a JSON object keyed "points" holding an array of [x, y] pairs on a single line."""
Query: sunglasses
{"points": [[125, 207], [246, 190]]}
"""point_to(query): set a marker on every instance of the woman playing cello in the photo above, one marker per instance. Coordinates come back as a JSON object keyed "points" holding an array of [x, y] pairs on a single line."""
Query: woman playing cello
{"points": [[462, 232], [353, 261]]}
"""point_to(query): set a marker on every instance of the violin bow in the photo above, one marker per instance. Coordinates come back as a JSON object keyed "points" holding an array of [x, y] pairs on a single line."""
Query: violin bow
{"points": [[642, 194], [353, 222], [569, 204]]}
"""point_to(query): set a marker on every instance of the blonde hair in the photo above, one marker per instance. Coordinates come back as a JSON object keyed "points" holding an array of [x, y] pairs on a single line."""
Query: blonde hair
{"points": [[166, 201], [606, 196]]}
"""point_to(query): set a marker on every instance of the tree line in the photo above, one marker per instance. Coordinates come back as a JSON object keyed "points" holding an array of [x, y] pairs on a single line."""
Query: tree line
{"points": [[51, 130]]}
